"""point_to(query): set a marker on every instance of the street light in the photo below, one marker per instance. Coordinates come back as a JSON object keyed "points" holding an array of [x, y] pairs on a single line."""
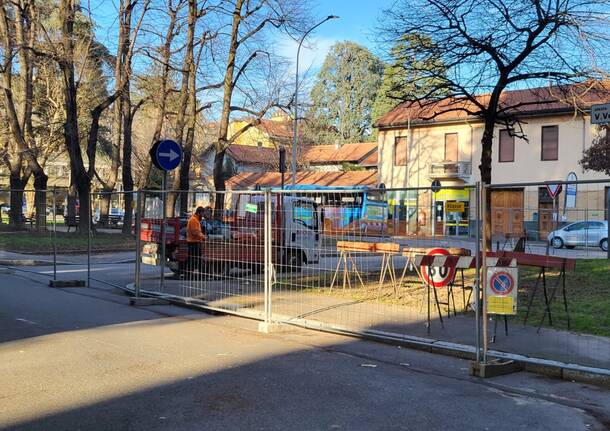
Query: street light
{"points": [[296, 95]]}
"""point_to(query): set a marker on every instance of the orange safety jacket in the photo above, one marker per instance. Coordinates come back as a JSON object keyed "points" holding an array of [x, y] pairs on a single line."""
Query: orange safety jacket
{"points": [[193, 230]]}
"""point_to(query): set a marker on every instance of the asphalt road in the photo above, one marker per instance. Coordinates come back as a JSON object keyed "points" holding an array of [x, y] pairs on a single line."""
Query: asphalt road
{"points": [[75, 359]]}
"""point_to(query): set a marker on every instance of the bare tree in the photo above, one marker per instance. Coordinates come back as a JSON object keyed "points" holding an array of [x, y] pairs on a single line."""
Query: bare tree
{"points": [[248, 21], [188, 78], [489, 46], [163, 59], [65, 56], [122, 115], [19, 33]]}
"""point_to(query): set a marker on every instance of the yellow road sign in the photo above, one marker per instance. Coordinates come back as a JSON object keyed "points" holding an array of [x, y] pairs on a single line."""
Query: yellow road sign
{"points": [[454, 207]]}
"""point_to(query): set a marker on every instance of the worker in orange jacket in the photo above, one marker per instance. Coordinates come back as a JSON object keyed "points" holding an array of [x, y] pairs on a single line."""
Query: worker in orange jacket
{"points": [[194, 239]]}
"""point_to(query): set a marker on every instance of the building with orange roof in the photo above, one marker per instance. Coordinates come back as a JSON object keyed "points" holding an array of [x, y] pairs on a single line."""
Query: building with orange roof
{"points": [[441, 140]]}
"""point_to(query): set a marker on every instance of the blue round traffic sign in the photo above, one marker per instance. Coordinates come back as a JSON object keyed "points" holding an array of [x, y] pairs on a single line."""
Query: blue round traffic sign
{"points": [[166, 154], [501, 283]]}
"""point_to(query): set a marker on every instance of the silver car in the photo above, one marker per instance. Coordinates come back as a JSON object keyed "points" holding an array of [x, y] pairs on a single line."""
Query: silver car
{"points": [[590, 233]]}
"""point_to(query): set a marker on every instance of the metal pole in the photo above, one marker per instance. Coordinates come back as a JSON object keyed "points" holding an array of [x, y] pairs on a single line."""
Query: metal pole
{"points": [[608, 197], [296, 98], [484, 267], [89, 242], [296, 117], [433, 213], [267, 263], [163, 233], [54, 235], [608, 211], [477, 279], [138, 241], [555, 216]]}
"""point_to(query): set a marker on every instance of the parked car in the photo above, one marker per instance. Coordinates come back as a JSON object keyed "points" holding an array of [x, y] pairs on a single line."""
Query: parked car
{"points": [[580, 233], [115, 217]]}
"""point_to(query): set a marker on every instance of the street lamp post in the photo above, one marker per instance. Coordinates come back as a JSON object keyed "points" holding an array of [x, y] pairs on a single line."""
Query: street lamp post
{"points": [[296, 97]]}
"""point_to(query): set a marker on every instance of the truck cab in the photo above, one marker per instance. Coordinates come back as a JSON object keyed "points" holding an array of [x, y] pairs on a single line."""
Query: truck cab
{"points": [[296, 223]]}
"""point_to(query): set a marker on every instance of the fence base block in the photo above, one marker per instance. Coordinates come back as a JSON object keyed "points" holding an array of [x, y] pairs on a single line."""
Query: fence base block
{"points": [[147, 301], [67, 283], [493, 368], [273, 327]]}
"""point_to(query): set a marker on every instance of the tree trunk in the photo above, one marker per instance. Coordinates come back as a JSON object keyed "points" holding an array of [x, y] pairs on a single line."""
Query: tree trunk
{"points": [[71, 202], [127, 149], [40, 201], [17, 185], [219, 184], [185, 171], [105, 203], [80, 179], [485, 170]]}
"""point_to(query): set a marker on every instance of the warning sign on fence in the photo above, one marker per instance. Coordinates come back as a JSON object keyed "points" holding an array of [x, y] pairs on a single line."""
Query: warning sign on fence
{"points": [[502, 290]]}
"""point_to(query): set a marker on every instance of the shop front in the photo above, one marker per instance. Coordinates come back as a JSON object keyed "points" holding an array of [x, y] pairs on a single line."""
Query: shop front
{"points": [[451, 212]]}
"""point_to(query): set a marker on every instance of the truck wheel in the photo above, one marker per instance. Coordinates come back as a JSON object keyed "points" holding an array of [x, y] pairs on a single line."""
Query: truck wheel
{"points": [[294, 261], [257, 268], [180, 269], [216, 269]]}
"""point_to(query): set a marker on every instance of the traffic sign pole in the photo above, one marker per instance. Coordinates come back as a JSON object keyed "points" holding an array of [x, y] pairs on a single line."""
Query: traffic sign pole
{"points": [[477, 279], [139, 207], [608, 197], [166, 155], [608, 219], [163, 233]]}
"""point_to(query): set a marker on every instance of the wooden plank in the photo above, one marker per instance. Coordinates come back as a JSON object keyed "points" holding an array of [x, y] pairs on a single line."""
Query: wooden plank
{"points": [[355, 246], [537, 260], [387, 247]]}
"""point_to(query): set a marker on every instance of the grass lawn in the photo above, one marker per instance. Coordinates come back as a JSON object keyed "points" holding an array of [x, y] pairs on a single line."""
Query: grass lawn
{"points": [[588, 292], [30, 242]]}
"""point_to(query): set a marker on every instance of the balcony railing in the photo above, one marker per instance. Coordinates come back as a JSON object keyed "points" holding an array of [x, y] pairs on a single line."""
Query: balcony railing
{"points": [[461, 170]]}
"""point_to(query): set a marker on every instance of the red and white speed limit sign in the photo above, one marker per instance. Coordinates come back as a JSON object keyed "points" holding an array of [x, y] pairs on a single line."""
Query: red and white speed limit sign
{"points": [[437, 276]]}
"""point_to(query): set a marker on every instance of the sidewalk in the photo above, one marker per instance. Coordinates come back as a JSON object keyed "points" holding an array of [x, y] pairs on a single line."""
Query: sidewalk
{"points": [[313, 308]]}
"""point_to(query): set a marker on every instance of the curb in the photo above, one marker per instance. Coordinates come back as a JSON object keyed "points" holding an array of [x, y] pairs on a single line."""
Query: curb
{"points": [[27, 262], [71, 252]]}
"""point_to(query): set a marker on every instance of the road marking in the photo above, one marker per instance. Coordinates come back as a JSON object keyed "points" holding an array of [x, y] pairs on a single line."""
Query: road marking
{"points": [[66, 271], [26, 321]]}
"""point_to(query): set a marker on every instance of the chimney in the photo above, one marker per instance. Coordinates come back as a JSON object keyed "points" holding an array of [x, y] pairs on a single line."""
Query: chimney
{"points": [[337, 144]]}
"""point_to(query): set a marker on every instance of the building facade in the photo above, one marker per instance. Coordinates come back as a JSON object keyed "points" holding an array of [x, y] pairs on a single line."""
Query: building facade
{"points": [[417, 147]]}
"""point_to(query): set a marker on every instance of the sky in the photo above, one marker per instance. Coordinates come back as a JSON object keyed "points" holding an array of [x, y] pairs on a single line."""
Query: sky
{"points": [[357, 22]]}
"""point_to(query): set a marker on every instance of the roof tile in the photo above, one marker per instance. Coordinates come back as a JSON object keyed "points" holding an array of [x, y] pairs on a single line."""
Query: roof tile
{"points": [[533, 101]]}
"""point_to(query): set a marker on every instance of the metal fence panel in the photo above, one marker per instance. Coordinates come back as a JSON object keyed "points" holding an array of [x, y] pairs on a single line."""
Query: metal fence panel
{"points": [[346, 260], [30, 231], [111, 257], [226, 270], [564, 273]]}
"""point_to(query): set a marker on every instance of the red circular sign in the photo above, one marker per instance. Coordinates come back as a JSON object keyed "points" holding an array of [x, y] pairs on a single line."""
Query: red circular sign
{"points": [[437, 276], [501, 283]]}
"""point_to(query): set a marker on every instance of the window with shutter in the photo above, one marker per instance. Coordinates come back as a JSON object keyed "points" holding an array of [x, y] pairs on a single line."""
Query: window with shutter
{"points": [[451, 147], [507, 147], [400, 151], [550, 143]]}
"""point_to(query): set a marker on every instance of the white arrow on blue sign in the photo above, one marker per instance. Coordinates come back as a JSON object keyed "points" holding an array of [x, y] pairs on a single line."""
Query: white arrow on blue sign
{"points": [[166, 154]]}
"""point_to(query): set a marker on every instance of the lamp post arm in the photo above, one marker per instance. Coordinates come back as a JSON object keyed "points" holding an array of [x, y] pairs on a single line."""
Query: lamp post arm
{"points": [[296, 99]]}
